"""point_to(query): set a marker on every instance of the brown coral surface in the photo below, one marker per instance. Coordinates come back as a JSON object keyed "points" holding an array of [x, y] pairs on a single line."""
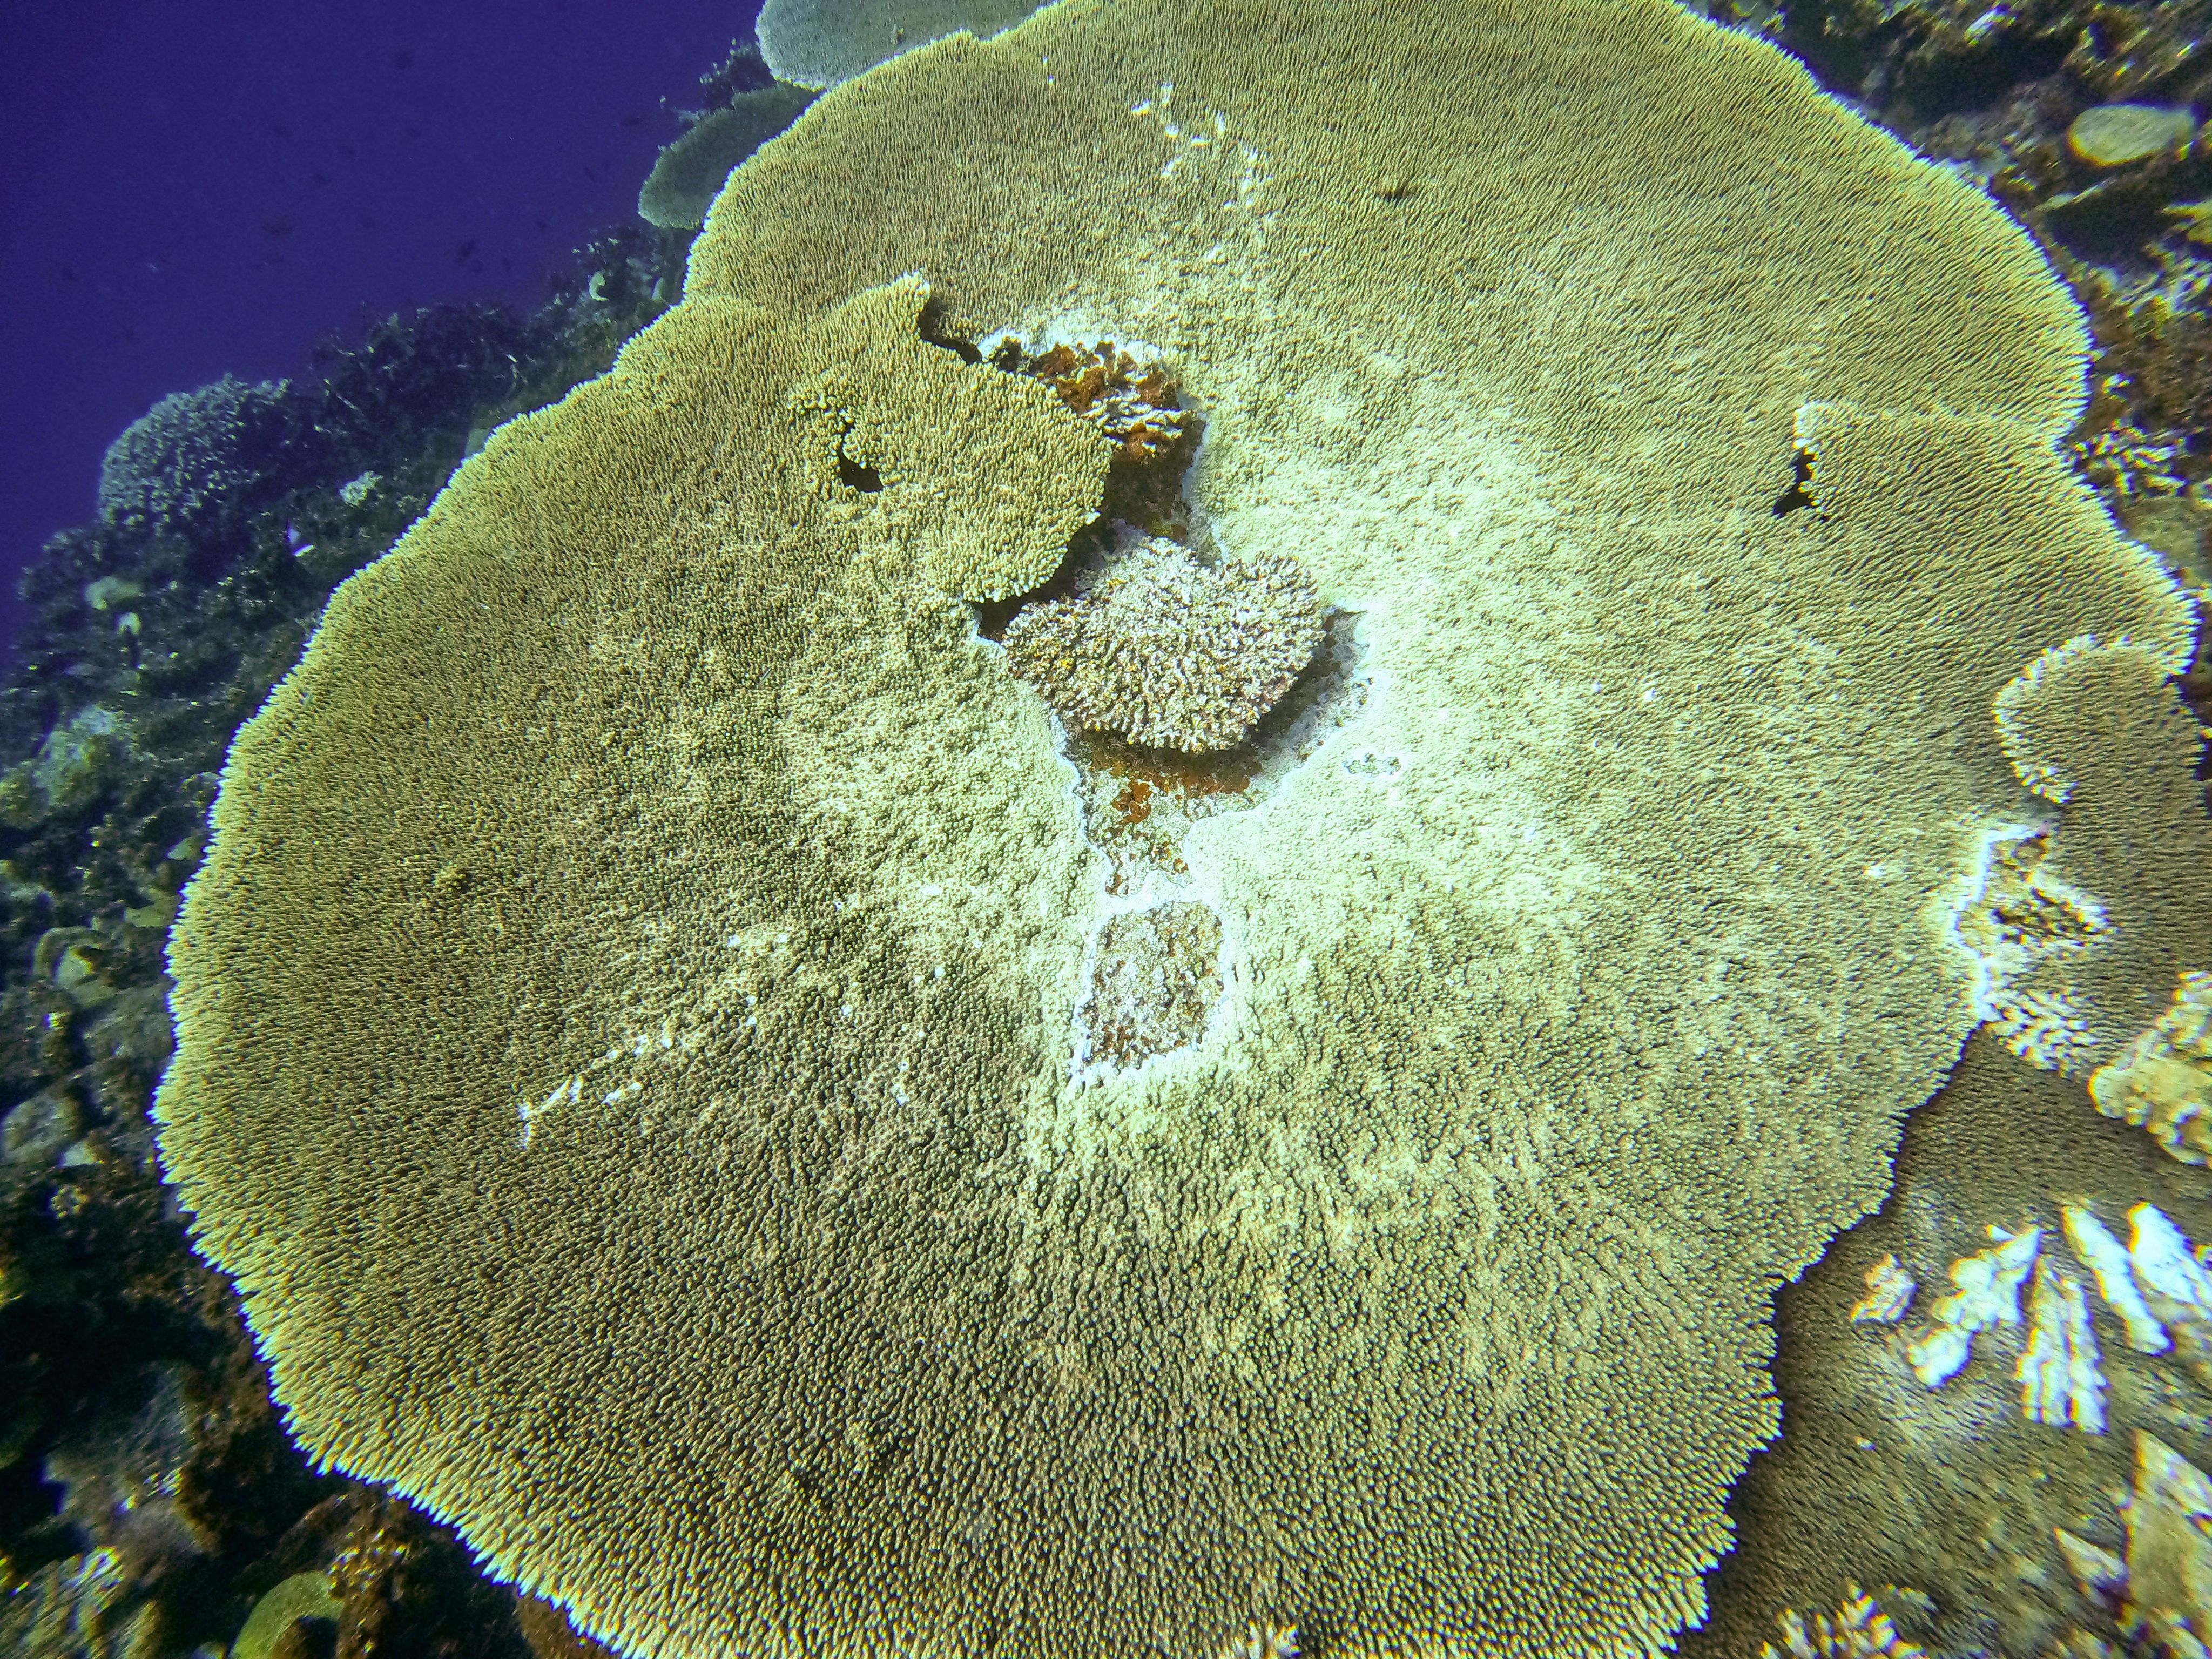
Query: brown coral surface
{"points": [[627, 1014]]}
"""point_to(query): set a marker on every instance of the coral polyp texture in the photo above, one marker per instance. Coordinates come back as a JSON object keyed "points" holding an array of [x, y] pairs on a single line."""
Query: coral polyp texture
{"points": [[1168, 652], [628, 1011]]}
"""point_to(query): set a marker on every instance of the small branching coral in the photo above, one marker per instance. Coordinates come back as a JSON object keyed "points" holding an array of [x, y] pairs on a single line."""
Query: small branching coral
{"points": [[1860, 1630], [1168, 652], [1131, 397]]}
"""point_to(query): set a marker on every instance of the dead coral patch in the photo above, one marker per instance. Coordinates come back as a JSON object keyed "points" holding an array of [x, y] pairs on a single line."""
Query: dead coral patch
{"points": [[1170, 652], [1154, 981]]}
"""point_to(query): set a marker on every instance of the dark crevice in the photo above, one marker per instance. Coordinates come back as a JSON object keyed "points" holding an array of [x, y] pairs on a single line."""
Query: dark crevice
{"points": [[1797, 495], [935, 331], [855, 476]]}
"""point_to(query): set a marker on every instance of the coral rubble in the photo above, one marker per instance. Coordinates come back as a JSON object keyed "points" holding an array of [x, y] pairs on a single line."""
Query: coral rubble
{"points": [[2106, 1258], [2061, 1381], [167, 622]]}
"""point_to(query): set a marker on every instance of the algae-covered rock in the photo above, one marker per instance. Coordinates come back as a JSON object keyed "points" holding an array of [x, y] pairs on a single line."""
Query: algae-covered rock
{"points": [[2113, 135]]}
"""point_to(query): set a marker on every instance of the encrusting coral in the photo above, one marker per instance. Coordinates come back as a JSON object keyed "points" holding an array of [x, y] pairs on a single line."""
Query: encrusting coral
{"points": [[1168, 651], [657, 797], [2163, 1082], [1130, 397]]}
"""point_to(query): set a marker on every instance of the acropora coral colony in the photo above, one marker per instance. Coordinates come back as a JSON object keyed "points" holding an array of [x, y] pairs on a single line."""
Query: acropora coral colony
{"points": [[1156, 938]]}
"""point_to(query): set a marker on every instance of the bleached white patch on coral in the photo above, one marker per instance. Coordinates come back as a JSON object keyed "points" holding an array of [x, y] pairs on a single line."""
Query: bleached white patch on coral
{"points": [[2106, 1258], [1986, 1294], [617, 1075], [2061, 1381], [568, 1093], [2174, 1283], [1889, 1294]]}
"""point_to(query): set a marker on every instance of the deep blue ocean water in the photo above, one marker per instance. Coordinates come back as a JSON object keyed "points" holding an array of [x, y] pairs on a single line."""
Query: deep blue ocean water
{"points": [[203, 187]]}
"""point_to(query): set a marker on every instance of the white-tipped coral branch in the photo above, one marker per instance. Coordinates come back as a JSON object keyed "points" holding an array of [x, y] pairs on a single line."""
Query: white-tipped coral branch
{"points": [[2060, 1379], [1986, 1294], [2106, 1258]]}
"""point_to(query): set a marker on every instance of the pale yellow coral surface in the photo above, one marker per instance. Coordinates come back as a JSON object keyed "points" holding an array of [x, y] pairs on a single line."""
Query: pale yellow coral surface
{"points": [[626, 1015]]}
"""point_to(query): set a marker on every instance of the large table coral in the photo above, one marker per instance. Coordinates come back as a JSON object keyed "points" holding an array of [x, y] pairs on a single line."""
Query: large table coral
{"points": [[627, 1017]]}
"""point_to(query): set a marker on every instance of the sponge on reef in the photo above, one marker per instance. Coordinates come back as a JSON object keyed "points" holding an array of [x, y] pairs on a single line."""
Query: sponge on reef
{"points": [[627, 1013]]}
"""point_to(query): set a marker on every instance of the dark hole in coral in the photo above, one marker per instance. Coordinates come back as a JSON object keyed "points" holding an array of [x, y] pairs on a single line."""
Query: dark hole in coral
{"points": [[1796, 495], [855, 476], [935, 331]]}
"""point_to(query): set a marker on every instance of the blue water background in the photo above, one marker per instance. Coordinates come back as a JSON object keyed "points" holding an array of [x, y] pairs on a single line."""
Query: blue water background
{"points": [[195, 187]]}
